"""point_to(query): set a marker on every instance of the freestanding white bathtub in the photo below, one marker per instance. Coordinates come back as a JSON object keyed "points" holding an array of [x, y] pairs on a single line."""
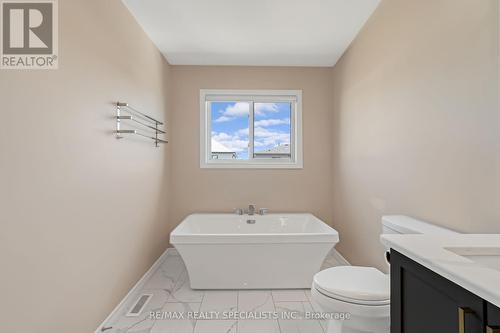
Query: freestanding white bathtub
{"points": [[229, 251]]}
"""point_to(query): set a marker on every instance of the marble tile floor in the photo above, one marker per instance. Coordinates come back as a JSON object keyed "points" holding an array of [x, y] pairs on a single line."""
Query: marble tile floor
{"points": [[169, 285]]}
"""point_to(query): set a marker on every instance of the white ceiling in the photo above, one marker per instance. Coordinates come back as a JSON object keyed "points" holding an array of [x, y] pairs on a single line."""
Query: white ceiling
{"points": [[252, 32]]}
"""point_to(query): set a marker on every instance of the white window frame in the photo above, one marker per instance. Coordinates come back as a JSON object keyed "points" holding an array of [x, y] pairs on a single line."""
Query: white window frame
{"points": [[252, 96]]}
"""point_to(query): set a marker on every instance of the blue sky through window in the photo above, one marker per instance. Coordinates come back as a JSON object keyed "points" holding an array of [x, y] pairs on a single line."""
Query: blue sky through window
{"points": [[272, 125], [230, 120]]}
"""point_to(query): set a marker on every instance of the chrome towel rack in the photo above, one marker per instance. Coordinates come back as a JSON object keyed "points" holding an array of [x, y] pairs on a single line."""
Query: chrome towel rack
{"points": [[150, 124]]}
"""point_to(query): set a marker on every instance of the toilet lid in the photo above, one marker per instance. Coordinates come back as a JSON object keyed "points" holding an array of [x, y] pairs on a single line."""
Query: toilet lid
{"points": [[361, 285]]}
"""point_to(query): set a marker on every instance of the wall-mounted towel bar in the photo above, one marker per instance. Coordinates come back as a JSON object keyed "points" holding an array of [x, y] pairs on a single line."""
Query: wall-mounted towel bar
{"points": [[133, 110], [141, 134], [140, 122], [137, 117]]}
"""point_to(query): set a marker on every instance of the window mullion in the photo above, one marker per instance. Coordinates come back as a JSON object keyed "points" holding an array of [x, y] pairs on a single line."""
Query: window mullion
{"points": [[251, 117], [293, 134], [208, 130]]}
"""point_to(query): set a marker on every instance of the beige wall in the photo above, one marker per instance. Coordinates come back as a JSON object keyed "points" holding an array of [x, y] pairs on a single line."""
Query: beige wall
{"points": [[83, 215], [416, 122], [217, 190]]}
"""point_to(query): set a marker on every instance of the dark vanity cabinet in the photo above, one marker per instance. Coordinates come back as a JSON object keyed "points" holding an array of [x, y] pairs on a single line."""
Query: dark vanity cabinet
{"points": [[492, 318], [425, 302]]}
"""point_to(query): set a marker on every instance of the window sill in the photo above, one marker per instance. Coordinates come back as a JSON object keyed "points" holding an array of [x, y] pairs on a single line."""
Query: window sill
{"points": [[289, 165]]}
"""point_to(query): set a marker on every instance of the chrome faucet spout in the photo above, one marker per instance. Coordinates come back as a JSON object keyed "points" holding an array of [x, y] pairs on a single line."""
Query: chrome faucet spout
{"points": [[251, 209]]}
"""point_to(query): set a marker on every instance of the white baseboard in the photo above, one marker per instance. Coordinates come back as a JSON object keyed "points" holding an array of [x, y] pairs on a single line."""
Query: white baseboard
{"points": [[137, 286], [340, 258]]}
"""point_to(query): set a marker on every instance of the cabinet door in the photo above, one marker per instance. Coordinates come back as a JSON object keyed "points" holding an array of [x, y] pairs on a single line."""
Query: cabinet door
{"points": [[493, 319], [423, 301]]}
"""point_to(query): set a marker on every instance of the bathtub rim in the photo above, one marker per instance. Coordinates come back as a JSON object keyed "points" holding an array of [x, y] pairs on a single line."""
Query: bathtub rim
{"points": [[330, 235]]}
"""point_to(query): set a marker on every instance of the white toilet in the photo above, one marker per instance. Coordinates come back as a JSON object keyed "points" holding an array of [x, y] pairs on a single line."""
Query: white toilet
{"points": [[363, 293]]}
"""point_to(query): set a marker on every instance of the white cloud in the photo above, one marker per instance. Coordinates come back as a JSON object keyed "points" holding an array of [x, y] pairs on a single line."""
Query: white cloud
{"points": [[239, 109], [263, 108], [223, 119], [242, 109], [232, 141], [261, 132], [221, 136], [265, 137], [272, 122], [242, 132], [257, 144]]}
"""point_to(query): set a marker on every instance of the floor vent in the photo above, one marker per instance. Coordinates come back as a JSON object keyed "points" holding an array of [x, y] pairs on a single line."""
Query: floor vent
{"points": [[139, 305]]}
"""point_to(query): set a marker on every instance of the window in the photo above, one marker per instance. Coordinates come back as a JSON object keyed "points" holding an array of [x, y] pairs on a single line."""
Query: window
{"points": [[251, 129]]}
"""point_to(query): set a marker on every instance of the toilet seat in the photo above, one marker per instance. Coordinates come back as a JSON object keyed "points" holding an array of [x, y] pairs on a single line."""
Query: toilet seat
{"points": [[354, 284]]}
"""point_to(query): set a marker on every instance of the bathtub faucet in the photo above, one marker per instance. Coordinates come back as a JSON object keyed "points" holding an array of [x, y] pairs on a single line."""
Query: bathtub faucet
{"points": [[251, 209]]}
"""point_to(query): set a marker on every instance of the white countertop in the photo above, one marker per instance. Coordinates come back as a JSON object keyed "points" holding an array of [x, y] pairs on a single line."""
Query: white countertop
{"points": [[431, 252]]}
